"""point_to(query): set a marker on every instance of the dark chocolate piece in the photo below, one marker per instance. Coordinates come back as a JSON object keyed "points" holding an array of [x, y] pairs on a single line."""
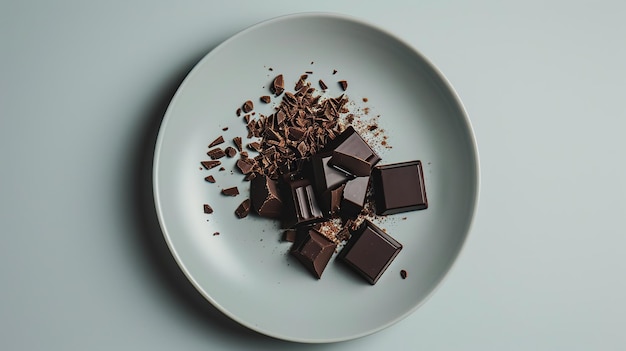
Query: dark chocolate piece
{"points": [[246, 165], [278, 85], [343, 84], [243, 209], [266, 99], [323, 85], [333, 199], [238, 112], [237, 141], [225, 128], [266, 200], [255, 146], [404, 274], [207, 208], [326, 177], [217, 141], [247, 106], [354, 195], [399, 187], [210, 179], [353, 154], [210, 164], [370, 251], [249, 176], [230, 151], [216, 153], [303, 204], [231, 191], [289, 235], [314, 251]]}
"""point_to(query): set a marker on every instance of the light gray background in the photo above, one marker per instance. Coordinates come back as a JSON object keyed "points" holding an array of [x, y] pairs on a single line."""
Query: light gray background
{"points": [[83, 86]]}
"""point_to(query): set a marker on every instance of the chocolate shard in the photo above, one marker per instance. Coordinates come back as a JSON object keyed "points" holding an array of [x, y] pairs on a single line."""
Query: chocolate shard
{"points": [[302, 204], [370, 251], [323, 85], [230, 151], [246, 165], [354, 197], [289, 235], [331, 200], [247, 106], [216, 153], [230, 191], [314, 251], [217, 141], [266, 99], [237, 141], [207, 209], [210, 179], [210, 164], [353, 154], [243, 209], [343, 84], [265, 195], [278, 85], [399, 188]]}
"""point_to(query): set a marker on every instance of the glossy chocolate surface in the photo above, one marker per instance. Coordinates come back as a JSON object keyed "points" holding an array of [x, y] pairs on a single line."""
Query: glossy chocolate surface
{"points": [[353, 154], [399, 187], [314, 251]]}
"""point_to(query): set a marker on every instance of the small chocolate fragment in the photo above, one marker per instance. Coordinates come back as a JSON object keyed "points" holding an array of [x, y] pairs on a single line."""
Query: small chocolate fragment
{"points": [[210, 164], [231, 191], [334, 71], [207, 208], [238, 112], [314, 251], [353, 154], [216, 233], [399, 188], [370, 251], [265, 196], [217, 141], [247, 106], [303, 204], [243, 209], [278, 85], [343, 84], [323, 85], [230, 151], [289, 235], [266, 99], [210, 179], [237, 141], [246, 165], [332, 199], [256, 146], [222, 169], [216, 153], [354, 195], [404, 274]]}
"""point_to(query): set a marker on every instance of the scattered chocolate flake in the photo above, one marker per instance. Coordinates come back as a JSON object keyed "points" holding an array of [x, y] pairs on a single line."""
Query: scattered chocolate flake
{"points": [[243, 209], [278, 85], [210, 179], [207, 208], [249, 176], [309, 72], [244, 154], [225, 128], [312, 62], [222, 169], [247, 106], [237, 141], [256, 146], [230, 151], [334, 71], [323, 85], [404, 274], [238, 112], [216, 233], [343, 84], [217, 141], [365, 99], [289, 235], [271, 69], [404, 218], [343, 234], [246, 165], [230, 191], [216, 153], [372, 127], [210, 164], [266, 99]]}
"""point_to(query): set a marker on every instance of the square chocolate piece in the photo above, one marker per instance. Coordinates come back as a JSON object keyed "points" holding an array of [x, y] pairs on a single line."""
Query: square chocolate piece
{"points": [[314, 251], [370, 251], [399, 187]]}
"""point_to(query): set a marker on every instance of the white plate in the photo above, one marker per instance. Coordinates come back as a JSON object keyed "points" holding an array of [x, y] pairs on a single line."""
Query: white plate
{"points": [[245, 271]]}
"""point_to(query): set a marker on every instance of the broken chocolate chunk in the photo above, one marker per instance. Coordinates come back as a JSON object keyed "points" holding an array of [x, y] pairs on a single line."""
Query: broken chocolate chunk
{"points": [[207, 208], [266, 200], [231, 191], [246, 165], [209, 179], [266, 99], [302, 204], [399, 187], [243, 209], [247, 106], [289, 235], [326, 177], [216, 153], [354, 195], [237, 141], [353, 154], [278, 85], [323, 85], [256, 146], [217, 141], [230, 151], [314, 251], [370, 251], [210, 164], [343, 84], [404, 274]]}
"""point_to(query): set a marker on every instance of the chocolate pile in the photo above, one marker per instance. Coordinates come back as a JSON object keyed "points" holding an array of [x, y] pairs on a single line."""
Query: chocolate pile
{"points": [[316, 176]]}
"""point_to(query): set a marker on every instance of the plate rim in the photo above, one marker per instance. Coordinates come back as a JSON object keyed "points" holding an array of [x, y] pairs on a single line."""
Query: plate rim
{"points": [[341, 17]]}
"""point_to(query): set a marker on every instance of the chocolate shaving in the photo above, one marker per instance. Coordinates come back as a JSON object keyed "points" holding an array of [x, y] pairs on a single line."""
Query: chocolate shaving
{"points": [[256, 146], [246, 165], [237, 141], [208, 209], [343, 84], [210, 164], [230, 151], [217, 141], [404, 274], [247, 106], [230, 191], [238, 112], [266, 99], [278, 85], [210, 179], [323, 85], [216, 153], [243, 209]]}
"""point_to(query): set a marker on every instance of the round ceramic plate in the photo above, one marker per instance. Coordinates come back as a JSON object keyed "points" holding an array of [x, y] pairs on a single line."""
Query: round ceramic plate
{"points": [[241, 265]]}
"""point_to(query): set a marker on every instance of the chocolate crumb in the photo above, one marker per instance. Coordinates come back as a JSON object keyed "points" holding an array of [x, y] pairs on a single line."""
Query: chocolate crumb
{"points": [[289, 235], [343, 84], [210, 164], [216, 153], [309, 72], [323, 85], [365, 99], [237, 141], [238, 112], [244, 154], [266, 99], [247, 106], [404, 218], [404, 274], [243, 209], [230, 151], [216, 233], [372, 127], [334, 71], [230, 191], [217, 141], [255, 146], [225, 128], [222, 169], [249, 176], [207, 208], [210, 179], [278, 85]]}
